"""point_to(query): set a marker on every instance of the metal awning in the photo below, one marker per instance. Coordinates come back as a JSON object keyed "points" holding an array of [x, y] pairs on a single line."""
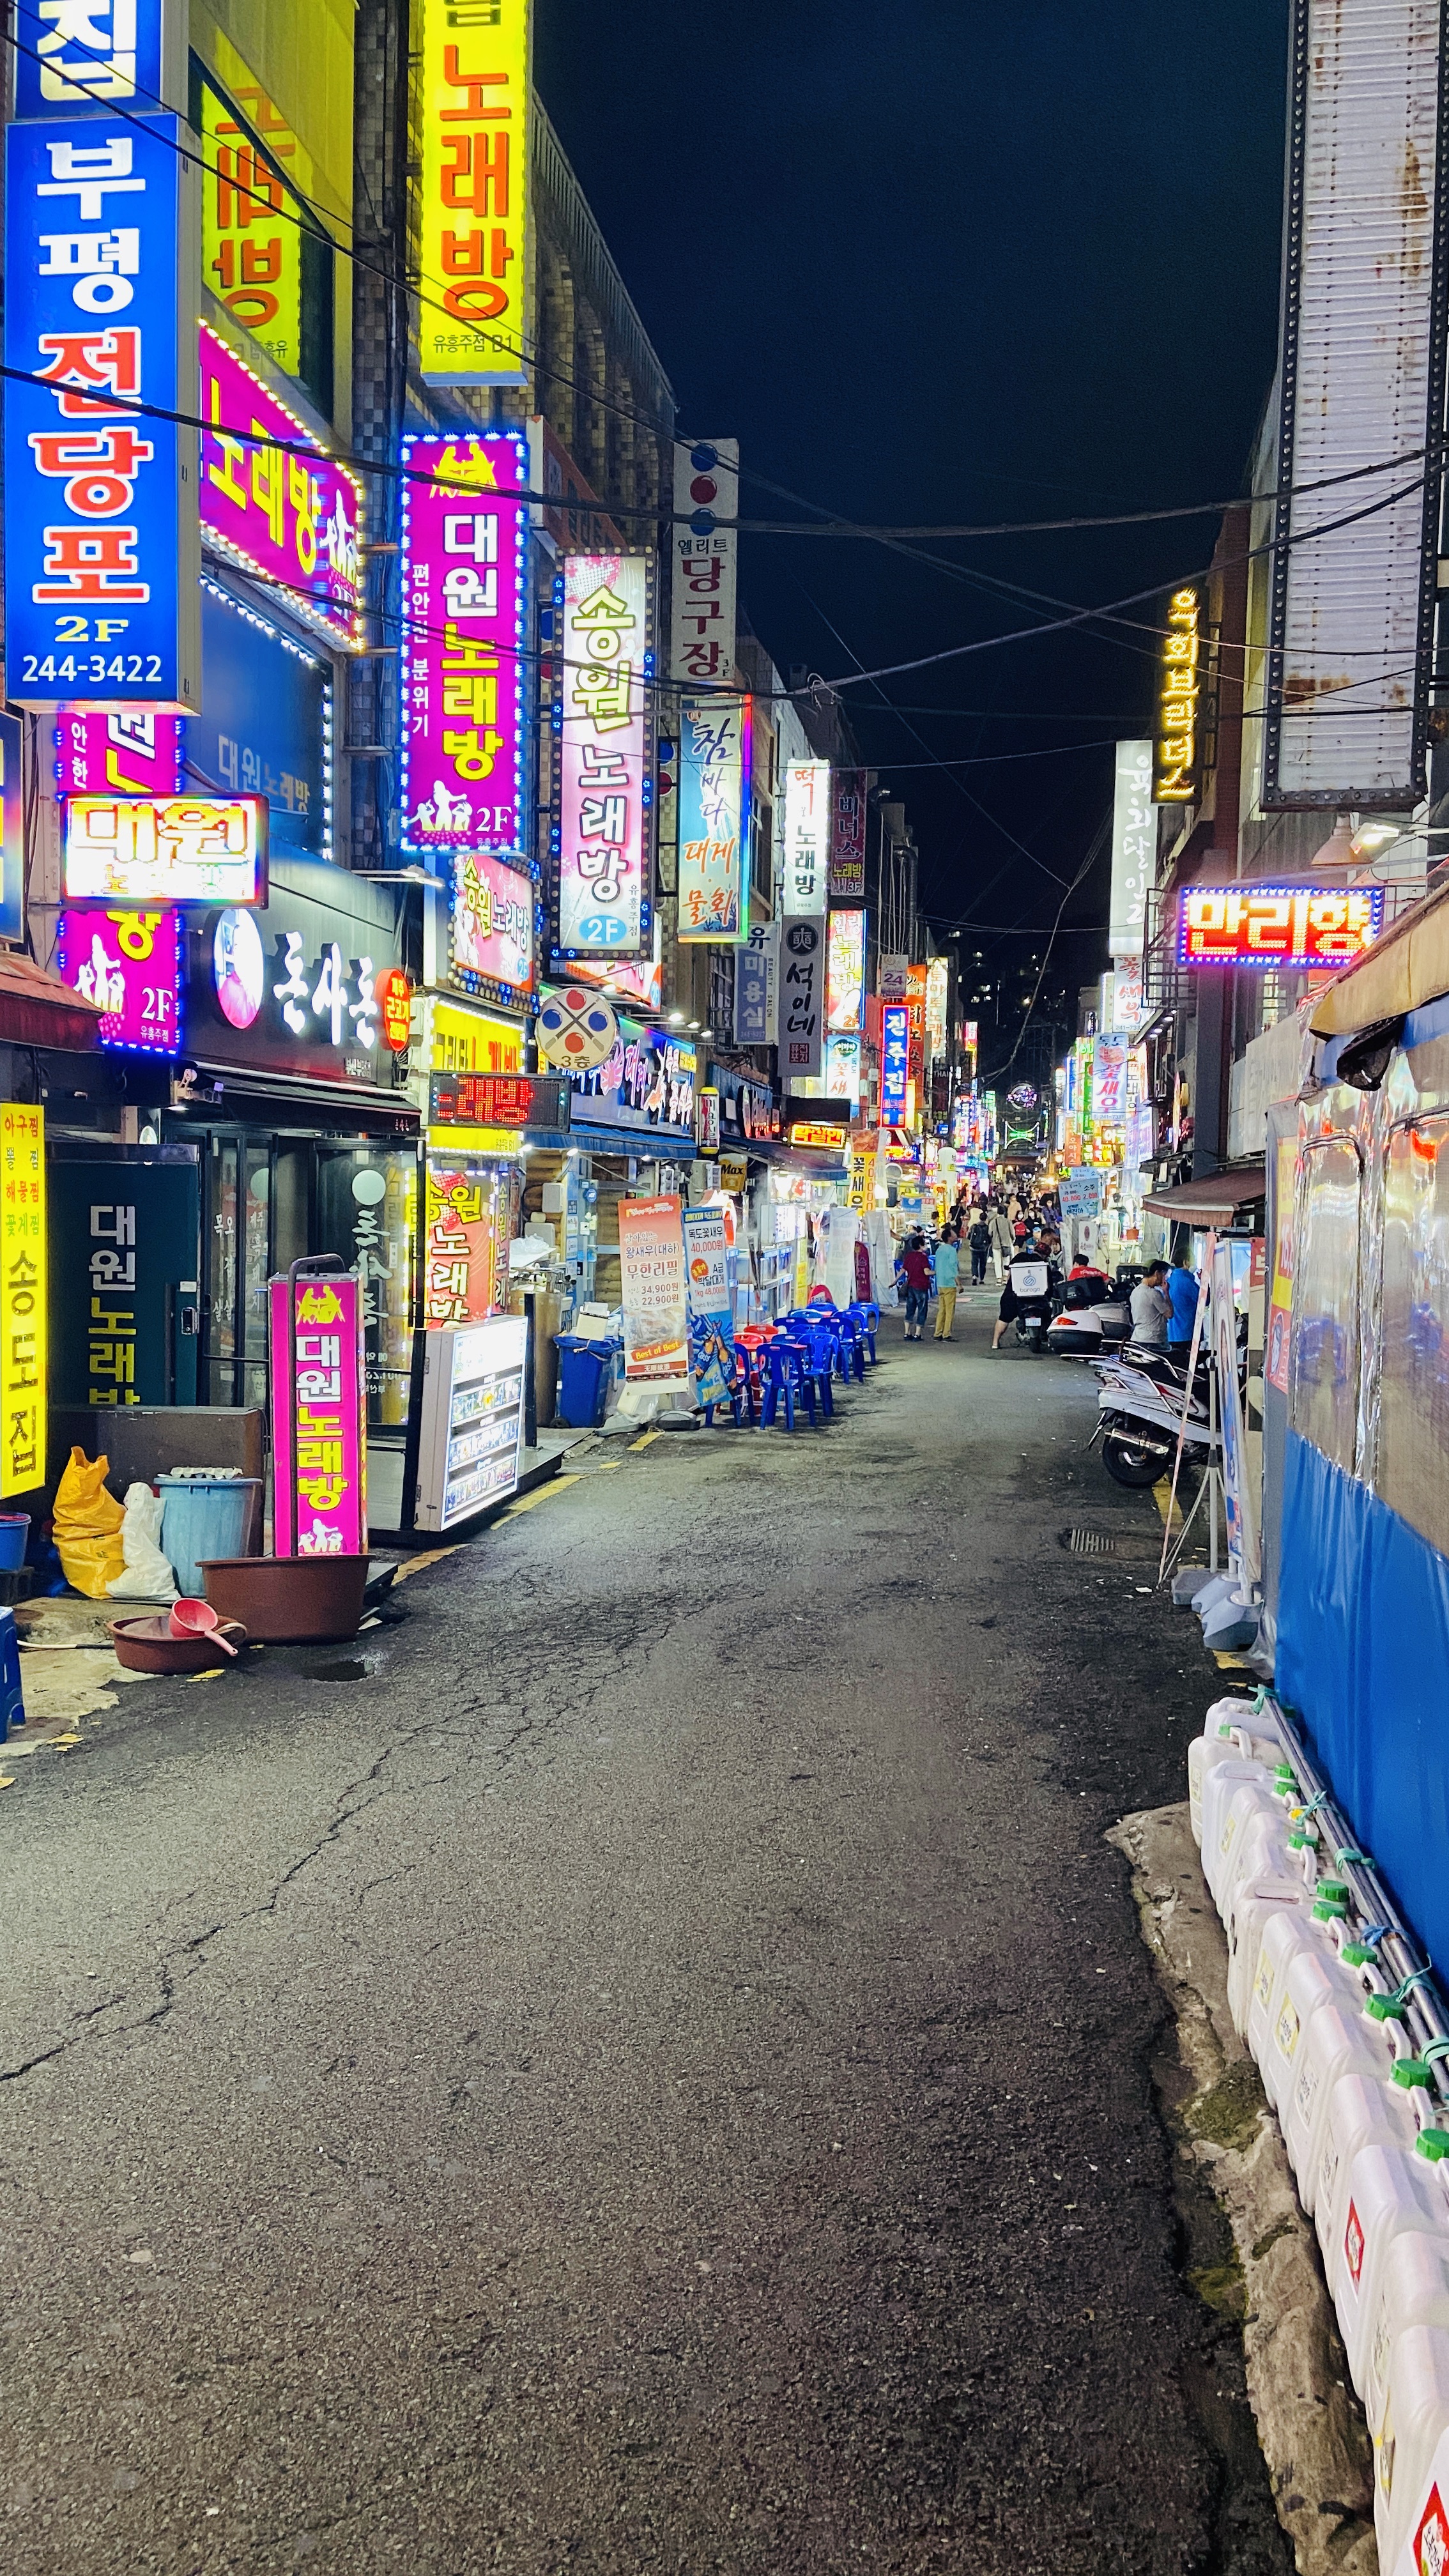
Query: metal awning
{"points": [[1231, 1199], [1405, 968], [38, 1010]]}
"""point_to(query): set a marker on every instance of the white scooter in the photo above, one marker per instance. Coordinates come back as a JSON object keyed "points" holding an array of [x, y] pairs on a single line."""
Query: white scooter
{"points": [[1140, 1412]]}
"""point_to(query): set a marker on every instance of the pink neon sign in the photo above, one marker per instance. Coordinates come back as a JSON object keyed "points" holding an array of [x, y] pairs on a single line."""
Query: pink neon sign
{"points": [[295, 519], [129, 750], [464, 604], [129, 963], [329, 1391]]}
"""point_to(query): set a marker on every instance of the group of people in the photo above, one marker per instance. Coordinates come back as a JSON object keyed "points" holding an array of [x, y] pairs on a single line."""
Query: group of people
{"points": [[1164, 1308], [922, 1269], [987, 1231]]}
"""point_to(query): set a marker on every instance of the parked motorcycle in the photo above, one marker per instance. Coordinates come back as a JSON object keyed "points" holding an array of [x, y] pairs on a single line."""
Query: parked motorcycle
{"points": [[1094, 1316], [1036, 1297], [1140, 1413]]}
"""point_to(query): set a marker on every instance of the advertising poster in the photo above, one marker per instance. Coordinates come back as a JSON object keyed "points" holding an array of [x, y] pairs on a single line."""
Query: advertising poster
{"points": [[328, 1400], [465, 599], [1080, 1193], [714, 768], [1239, 1503], [712, 1360], [458, 1248], [1280, 1306], [651, 1260], [603, 731]]}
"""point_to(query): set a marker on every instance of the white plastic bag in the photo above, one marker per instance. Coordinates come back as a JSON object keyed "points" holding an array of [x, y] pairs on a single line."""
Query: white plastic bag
{"points": [[147, 1574]]}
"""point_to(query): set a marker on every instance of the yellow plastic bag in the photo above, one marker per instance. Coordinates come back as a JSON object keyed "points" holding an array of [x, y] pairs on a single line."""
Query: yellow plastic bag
{"points": [[88, 1527]]}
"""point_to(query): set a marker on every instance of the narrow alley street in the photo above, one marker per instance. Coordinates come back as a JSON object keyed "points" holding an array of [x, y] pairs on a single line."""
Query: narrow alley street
{"points": [[653, 2072]]}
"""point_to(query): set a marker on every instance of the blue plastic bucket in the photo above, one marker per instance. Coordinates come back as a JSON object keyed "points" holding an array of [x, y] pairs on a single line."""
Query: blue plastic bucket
{"points": [[204, 1516], [14, 1538]]}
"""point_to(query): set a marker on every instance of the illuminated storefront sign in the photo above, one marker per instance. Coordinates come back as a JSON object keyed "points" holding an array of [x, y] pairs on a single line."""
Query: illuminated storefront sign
{"points": [[895, 1056], [1134, 849], [130, 751], [647, 1083], [393, 992], [513, 1100], [805, 849], [265, 728], [111, 52], [847, 836], [465, 601], [714, 770], [252, 225], [845, 971], [938, 978], [12, 831], [154, 850], [603, 734], [130, 965], [824, 1139], [634, 979], [23, 1295], [802, 997], [491, 932], [706, 546], [325, 1385], [294, 520], [476, 252], [1175, 750], [1277, 925], [101, 545]]}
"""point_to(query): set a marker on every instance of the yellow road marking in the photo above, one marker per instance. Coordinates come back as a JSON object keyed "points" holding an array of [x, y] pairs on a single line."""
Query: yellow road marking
{"points": [[644, 1443], [416, 1564], [540, 1494], [1162, 1497], [1229, 1663]]}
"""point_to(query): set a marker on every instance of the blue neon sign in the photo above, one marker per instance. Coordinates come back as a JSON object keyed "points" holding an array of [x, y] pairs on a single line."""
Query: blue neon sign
{"points": [[101, 544], [74, 61], [895, 1042]]}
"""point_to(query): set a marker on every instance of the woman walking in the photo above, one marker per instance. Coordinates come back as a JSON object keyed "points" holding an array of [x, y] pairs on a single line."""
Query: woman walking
{"points": [[916, 1271]]}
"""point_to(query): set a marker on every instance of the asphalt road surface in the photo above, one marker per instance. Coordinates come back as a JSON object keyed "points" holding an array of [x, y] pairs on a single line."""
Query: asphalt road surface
{"points": [[654, 2073]]}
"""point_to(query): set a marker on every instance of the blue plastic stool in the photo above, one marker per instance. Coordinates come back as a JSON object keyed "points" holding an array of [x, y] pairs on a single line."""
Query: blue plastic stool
{"points": [[816, 1347], [12, 1700], [783, 1374], [867, 1316]]}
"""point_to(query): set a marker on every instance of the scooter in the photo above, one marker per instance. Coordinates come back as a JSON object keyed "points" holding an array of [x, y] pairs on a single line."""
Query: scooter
{"points": [[1140, 1414], [1093, 1317]]}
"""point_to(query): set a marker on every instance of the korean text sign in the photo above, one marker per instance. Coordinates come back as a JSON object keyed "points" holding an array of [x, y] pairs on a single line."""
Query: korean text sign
{"points": [[757, 968], [130, 965], [806, 852], [109, 53], [491, 933], [476, 252], [1277, 925], [847, 836], [465, 599], [712, 1360], [294, 519], [706, 546], [253, 226], [165, 849], [23, 1291], [1177, 749], [845, 973], [459, 1245], [802, 997], [895, 1058], [326, 1399], [714, 771], [651, 1258], [1134, 848], [129, 751], [101, 556], [603, 732]]}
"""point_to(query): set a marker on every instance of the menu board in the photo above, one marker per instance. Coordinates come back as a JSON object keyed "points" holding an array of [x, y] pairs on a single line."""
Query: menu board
{"points": [[471, 1429]]}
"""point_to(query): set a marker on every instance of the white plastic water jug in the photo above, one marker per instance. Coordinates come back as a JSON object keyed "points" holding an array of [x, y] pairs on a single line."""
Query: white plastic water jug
{"points": [[1290, 1935], [1313, 1977], [1255, 1896], [1242, 1718], [1390, 2193], [1260, 1844], [1203, 1755], [1411, 2484], [1413, 2291], [1225, 1811], [1338, 2039], [1361, 2113]]}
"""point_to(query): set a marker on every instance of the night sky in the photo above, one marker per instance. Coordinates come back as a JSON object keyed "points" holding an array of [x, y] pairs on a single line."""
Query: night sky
{"points": [[1001, 259]]}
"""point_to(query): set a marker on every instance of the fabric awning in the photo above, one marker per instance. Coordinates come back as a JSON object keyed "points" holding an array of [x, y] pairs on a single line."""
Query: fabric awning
{"points": [[38, 1010], [1408, 966], [1224, 1198]]}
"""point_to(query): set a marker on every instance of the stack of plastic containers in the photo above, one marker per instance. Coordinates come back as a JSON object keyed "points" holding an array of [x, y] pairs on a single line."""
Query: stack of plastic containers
{"points": [[1312, 1990]]}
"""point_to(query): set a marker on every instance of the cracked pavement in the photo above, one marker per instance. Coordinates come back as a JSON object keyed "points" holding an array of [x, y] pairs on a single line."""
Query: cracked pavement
{"points": [[655, 2074]]}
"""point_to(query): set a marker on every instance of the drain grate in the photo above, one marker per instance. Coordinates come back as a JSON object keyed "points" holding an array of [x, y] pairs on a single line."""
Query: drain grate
{"points": [[1083, 1542]]}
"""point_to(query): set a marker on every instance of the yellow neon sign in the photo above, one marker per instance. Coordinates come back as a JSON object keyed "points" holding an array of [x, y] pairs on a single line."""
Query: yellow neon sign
{"points": [[23, 1292], [476, 249]]}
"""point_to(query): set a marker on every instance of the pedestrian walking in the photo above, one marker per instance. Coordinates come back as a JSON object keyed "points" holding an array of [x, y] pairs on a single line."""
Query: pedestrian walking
{"points": [[979, 1240], [1182, 1297], [916, 1272], [1003, 1242], [1151, 1306], [947, 1267]]}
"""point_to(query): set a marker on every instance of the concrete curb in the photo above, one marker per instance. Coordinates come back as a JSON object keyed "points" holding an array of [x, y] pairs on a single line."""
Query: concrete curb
{"points": [[1312, 2430]]}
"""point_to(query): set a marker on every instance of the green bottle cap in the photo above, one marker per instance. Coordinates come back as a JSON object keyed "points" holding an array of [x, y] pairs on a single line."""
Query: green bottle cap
{"points": [[1356, 1954], [1378, 2007], [1304, 1840], [1433, 2143], [1410, 2071], [1330, 1909], [1334, 1891]]}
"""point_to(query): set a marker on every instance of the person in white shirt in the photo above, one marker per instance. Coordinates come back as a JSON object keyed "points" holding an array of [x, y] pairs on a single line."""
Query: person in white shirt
{"points": [[1151, 1306]]}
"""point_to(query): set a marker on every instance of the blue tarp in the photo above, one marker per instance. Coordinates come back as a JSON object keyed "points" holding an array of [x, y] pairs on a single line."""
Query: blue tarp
{"points": [[1363, 1656]]}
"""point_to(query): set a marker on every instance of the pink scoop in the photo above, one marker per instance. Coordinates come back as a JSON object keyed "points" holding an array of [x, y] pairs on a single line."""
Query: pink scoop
{"points": [[198, 1619]]}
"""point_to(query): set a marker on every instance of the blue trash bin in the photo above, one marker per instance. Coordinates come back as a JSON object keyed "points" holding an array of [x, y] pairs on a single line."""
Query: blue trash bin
{"points": [[204, 1516], [583, 1379]]}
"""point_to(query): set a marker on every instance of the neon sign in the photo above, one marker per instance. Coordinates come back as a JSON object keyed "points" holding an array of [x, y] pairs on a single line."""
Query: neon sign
{"points": [[152, 850], [1277, 925]]}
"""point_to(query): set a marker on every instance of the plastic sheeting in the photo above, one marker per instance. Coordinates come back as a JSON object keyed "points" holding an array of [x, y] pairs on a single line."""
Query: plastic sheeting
{"points": [[1362, 1654]]}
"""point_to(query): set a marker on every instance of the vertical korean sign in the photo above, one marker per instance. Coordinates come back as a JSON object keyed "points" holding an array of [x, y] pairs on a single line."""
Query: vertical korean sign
{"points": [[651, 1259], [23, 1289], [895, 1056], [325, 1407], [603, 731], [465, 599], [706, 544], [475, 252], [1134, 850], [101, 539], [802, 997], [714, 772], [847, 836], [805, 858]]}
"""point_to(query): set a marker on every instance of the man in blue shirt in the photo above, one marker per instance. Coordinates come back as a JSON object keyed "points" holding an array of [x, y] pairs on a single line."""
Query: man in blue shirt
{"points": [[1182, 1295], [947, 1267]]}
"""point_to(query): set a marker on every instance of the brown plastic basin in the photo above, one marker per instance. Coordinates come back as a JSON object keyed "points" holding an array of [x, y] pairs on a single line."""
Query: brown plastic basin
{"points": [[288, 1600]]}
